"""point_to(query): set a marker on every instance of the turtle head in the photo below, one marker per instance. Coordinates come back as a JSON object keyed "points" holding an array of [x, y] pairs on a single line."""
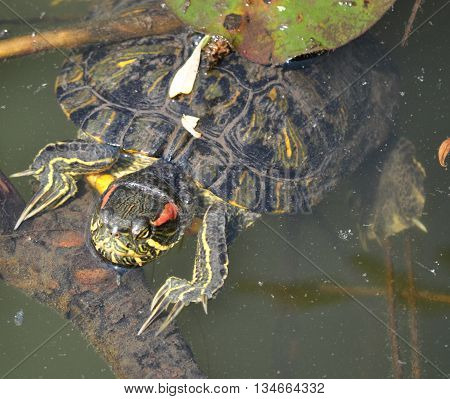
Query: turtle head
{"points": [[135, 223]]}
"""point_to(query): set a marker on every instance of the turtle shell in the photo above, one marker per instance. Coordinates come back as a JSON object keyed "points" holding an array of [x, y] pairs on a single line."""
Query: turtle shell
{"points": [[273, 139]]}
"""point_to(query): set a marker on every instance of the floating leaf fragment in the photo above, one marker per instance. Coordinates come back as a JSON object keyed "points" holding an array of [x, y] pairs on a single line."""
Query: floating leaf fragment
{"points": [[184, 79], [189, 123], [443, 151]]}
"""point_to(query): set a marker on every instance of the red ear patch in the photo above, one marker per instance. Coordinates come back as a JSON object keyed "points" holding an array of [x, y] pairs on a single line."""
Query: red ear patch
{"points": [[107, 195], [170, 212]]}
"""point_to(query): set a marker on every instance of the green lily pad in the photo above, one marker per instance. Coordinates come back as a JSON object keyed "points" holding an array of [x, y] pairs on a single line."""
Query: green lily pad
{"points": [[273, 31]]}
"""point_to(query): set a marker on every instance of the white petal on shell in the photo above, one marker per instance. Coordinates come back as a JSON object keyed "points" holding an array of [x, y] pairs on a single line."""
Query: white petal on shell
{"points": [[184, 79], [189, 123]]}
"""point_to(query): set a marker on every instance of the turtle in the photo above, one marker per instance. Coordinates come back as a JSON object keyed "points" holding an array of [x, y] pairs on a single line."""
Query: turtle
{"points": [[271, 140]]}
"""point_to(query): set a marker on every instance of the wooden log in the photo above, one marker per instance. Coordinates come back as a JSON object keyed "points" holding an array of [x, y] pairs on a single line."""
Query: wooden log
{"points": [[50, 259]]}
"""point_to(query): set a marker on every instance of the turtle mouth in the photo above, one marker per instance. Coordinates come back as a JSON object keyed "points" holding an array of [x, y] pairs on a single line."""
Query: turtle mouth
{"points": [[122, 248]]}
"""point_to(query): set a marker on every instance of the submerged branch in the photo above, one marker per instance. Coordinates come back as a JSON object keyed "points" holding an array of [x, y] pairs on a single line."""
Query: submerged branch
{"points": [[392, 321], [412, 314]]}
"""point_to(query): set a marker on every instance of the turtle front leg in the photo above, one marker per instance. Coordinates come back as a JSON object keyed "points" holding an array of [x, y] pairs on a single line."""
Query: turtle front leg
{"points": [[57, 166], [210, 270]]}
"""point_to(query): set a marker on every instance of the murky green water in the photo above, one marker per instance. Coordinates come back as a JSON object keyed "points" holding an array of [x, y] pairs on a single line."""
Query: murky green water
{"points": [[278, 314]]}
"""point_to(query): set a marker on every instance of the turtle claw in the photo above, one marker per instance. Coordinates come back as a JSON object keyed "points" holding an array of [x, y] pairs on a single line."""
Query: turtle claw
{"points": [[204, 300], [419, 225], [28, 172], [179, 293], [176, 309], [53, 192]]}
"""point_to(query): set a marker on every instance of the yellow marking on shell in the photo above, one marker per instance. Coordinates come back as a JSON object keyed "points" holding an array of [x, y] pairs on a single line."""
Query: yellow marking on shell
{"points": [[136, 53], [234, 203], [287, 143], [108, 123], [273, 94], [123, 64], [157, 80], [296, 138], [76, 77], [249, 129], [91, 100], [66, 113], [290, 149], [59, 79], [141, 159], [278, 186], [243, 176], [94, 138], [57, 83], [208, 194], [100, 182], [116, 75], [232, 100], [114, 58]]}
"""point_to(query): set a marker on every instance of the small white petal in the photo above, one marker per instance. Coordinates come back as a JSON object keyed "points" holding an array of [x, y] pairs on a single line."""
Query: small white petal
{"points": [[189, 123], [184, 79]]}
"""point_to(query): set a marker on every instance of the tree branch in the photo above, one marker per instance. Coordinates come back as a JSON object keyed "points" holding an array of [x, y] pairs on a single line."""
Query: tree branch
{"points": [[126, 26]]}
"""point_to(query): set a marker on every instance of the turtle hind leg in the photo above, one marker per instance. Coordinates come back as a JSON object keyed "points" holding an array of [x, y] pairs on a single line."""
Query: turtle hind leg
{"points": [[57, 166], [210, 271]]}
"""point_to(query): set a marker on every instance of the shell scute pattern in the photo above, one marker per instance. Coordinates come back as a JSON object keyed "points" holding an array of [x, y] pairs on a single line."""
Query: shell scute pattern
{"points": [[273, 139]]}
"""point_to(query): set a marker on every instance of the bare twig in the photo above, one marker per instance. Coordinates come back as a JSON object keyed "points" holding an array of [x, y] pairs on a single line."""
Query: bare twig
{"points": [[411, 19], [123, 27]]}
